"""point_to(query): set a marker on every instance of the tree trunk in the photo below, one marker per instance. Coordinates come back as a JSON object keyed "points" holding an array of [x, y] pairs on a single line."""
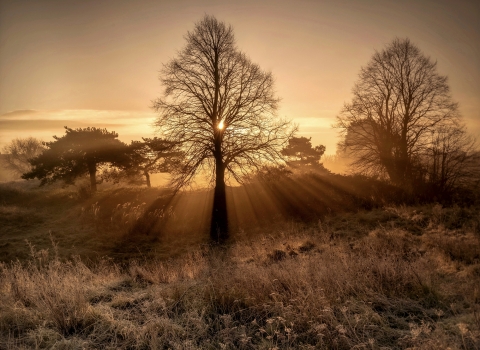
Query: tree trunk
{"points": [[147, 177], [92, 170], [405, 164], [219, 224]]}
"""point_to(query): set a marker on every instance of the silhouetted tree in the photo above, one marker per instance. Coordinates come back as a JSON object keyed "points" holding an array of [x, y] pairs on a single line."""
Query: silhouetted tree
{"points": [[221, 108], [19, 151], [452, 159], [152, 155], [79, 152], [398, 101], [301, 153]]}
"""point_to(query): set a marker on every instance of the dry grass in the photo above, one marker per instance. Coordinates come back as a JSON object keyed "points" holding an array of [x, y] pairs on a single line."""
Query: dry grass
{"points": [[403, 278]]}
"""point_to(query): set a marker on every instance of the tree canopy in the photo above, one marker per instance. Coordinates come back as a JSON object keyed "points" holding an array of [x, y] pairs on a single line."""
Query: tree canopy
{"points": [[77, 153], [220, 108], [301, 153], [151, 155]]}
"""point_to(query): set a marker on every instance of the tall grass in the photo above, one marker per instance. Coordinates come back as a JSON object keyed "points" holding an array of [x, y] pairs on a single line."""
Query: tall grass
{"points": [[311, 287]]}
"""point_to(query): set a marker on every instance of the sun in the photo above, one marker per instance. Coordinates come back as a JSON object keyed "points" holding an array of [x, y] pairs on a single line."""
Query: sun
{"points": [[221, 125]]}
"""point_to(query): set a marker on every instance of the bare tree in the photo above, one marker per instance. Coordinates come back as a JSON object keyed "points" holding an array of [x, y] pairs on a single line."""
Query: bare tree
{"points": [[398, 101], [19, 151], [452, 159], [221, 108]]}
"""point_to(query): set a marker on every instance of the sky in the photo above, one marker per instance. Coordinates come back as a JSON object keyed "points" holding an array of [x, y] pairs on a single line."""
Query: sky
{"points": [[97, 62]]}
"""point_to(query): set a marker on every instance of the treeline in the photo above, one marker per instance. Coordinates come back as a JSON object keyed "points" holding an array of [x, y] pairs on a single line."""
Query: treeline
{"points": [[98, 154], [88, 151], [217, 117]]}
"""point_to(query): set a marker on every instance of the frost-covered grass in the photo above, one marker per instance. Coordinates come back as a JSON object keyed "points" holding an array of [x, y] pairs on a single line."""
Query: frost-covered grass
{"points": [[391, 278]]}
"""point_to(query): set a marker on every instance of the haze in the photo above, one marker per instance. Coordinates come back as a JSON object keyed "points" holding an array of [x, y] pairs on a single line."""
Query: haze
{"points": [[96, 63]]}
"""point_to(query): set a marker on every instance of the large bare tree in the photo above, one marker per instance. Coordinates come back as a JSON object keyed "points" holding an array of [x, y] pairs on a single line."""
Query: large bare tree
{"points": [[221, 108], [398, 101]]}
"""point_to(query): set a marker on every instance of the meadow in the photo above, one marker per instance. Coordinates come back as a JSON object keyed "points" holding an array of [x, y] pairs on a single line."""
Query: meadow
{"points": [[349, 267]]}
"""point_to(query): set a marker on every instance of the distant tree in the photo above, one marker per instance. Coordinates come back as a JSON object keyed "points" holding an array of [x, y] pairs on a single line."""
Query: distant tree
{"points": [[398, 101], [220, 107], [78, 153], [300, 153], [18, 152], [337, 163], [152, 155]]}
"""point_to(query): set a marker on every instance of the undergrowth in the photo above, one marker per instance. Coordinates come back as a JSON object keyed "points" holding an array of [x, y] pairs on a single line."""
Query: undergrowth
{"points": [[397, 278]]}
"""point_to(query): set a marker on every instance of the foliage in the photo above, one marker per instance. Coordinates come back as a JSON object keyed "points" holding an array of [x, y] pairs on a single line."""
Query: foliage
{"points": [[301, 153], [152, 155], [77, 153], [399, 102], [18, 153]]}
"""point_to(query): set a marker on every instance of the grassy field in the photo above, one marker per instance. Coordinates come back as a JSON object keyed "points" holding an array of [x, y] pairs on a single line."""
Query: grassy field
{"points": [[132, 268], [133, 222]]}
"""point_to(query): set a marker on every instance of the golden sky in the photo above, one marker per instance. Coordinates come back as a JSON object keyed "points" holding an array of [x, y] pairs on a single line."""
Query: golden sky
{"points": [[96, 63]]}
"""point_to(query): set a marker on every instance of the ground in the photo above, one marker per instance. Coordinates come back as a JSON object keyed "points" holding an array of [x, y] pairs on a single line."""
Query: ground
{"points": [[82, 271]]}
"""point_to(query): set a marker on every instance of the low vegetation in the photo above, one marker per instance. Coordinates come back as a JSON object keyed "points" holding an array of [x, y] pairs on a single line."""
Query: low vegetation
{"points": [[392, 277]]}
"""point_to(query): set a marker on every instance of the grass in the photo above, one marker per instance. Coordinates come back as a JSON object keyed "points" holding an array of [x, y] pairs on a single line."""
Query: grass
{"points": [[131, 222], [394, 277], [89, 226]]}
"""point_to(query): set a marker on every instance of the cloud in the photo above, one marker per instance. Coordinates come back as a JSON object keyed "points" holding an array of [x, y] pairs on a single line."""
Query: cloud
{"points": [[77, 114], [318, 123], [48, 124], [130, 125], [43, 124], [18, 113]]}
